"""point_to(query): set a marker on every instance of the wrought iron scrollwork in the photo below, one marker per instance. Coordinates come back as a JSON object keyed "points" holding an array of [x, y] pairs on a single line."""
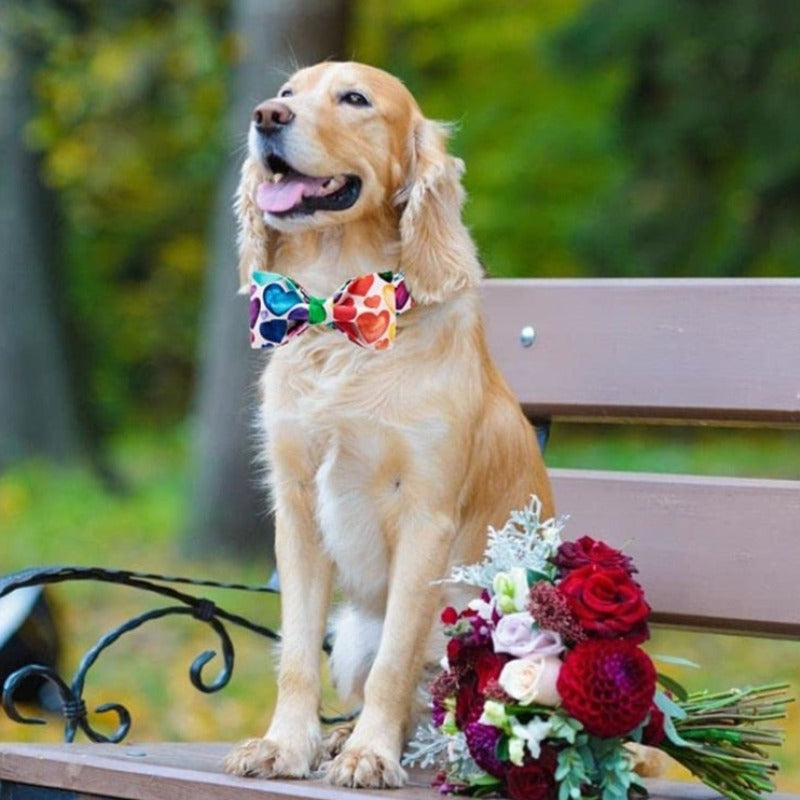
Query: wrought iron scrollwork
{"points": [[73, 707]]}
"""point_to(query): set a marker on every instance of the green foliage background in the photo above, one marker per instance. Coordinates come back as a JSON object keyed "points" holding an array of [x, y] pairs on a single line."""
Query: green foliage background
{"points": [[632, 137], [131, 104]]}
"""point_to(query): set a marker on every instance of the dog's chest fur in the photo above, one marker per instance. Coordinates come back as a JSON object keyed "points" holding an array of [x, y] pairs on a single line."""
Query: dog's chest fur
{"points": [[352, 427]]}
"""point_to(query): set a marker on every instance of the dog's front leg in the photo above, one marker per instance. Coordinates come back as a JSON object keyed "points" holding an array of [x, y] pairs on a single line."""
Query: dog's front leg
{"points": [[371, 757], [292, 745]]}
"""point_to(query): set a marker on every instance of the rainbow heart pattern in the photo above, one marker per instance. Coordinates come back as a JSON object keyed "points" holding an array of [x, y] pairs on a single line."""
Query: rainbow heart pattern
{"points": [[364, 309]]}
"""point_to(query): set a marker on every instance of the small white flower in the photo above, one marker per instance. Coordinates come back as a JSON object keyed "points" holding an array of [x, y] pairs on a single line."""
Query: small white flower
{"points": [[494, 713], [511, 590], [516, 750], [483, 609], [532, 735]]}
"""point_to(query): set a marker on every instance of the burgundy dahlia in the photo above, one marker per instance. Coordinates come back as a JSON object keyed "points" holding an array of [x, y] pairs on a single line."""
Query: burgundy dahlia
{"points": [[608, 685]]}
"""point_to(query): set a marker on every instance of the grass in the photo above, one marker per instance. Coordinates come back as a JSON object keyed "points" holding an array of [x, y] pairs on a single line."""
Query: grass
{"points": [[62, 515]]}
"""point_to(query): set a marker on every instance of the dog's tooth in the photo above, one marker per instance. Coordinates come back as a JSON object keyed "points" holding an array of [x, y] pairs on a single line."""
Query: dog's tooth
{"points": [[276, 178]]}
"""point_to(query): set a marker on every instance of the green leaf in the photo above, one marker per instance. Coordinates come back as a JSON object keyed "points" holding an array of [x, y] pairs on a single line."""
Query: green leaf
{"points": [[672, 685], [502, 748], [483, 779], [676, 660], [669, 707], [571, 774], [534, 577], [564, 727], [616, 773]]}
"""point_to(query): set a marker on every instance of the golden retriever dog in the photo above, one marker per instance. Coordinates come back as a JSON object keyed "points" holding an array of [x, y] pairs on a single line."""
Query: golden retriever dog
{"points": [[386, 466]]}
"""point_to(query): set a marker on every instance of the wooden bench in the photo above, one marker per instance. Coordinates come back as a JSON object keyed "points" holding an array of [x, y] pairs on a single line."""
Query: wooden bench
{"points": [[724, 352]]}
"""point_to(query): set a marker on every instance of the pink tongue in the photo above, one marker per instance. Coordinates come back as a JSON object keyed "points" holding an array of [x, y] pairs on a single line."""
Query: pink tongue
{"points": [[287, 193]]}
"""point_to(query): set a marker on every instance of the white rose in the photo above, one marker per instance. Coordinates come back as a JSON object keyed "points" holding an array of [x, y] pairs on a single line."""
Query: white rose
{"points": [[532, 680]]}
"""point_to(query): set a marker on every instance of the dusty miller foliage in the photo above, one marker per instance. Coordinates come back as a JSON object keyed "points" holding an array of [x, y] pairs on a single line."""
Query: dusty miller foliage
{"points": [[430, 748], [526, 540]]}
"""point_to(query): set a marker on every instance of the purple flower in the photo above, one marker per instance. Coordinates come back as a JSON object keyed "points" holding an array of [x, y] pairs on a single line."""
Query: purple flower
{"points": [[482, 742], [518, 635]]}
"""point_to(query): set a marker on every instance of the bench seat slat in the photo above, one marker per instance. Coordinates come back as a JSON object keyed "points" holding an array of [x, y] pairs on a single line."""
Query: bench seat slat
{"points": [[730, 544], [192, 772], [674, 348]]}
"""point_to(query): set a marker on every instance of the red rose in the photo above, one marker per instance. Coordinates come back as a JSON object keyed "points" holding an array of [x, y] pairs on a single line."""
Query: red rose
{"points": [[607, 602], [462, 655], [587, 551], [608, 685], [534, 780], [469, 701], [476, 668], [488, 667]]}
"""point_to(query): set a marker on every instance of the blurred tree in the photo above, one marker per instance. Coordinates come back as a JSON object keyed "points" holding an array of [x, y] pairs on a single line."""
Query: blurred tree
{"points": [[710, 126], [536, 139], [38, 411], [229, 504], [130, 100]]}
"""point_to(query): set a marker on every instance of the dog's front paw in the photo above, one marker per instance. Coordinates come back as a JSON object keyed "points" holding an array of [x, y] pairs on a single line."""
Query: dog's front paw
{"points": [[647, 762], [266, 758], [334, 742], [362, 767]]}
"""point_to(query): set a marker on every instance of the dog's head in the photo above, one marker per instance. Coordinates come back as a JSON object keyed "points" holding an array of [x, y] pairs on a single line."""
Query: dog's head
{"points": [[345, 144]]}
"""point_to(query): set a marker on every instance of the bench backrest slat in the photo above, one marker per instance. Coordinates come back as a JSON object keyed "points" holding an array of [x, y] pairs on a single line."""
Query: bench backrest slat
{"points": [[717, 553], [708, 553], [674, 349]]}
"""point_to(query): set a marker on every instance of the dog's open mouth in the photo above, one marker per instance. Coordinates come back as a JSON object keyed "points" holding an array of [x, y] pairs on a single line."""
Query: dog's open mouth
{"points": [[290, 192]]}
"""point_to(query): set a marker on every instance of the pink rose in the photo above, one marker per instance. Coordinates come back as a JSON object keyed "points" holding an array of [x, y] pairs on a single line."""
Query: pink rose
{"points": [[518, 635]]}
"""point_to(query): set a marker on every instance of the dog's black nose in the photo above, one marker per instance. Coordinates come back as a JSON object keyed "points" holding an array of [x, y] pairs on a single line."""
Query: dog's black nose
{"points": [[271, 116]]}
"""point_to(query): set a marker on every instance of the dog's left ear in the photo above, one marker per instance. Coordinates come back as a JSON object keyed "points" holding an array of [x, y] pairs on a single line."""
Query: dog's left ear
{"points": [[437, 253]]}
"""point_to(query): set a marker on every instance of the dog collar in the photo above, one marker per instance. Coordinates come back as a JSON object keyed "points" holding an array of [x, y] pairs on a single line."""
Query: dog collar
{"points": [[364, 309]]}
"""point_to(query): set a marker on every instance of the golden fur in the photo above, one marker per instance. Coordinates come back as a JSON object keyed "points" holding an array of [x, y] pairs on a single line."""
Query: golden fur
{"points": [[386, 467]]}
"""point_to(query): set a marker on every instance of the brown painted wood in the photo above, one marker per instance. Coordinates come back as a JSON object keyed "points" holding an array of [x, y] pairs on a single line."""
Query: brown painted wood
{"points": [[192, 772], [706, 548], [163, 771], [712, 349]]}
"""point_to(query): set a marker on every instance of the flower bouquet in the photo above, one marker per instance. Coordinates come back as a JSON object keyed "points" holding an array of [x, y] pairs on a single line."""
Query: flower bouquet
{"points": [[545, 692]]}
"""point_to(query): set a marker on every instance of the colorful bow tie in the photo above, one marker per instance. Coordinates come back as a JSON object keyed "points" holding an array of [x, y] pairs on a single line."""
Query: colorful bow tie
{"points": [[364, 309]]}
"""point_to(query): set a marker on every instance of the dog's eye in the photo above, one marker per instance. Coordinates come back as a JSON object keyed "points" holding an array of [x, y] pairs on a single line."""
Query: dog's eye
{"points": [[285, 92], [354, 99]]}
